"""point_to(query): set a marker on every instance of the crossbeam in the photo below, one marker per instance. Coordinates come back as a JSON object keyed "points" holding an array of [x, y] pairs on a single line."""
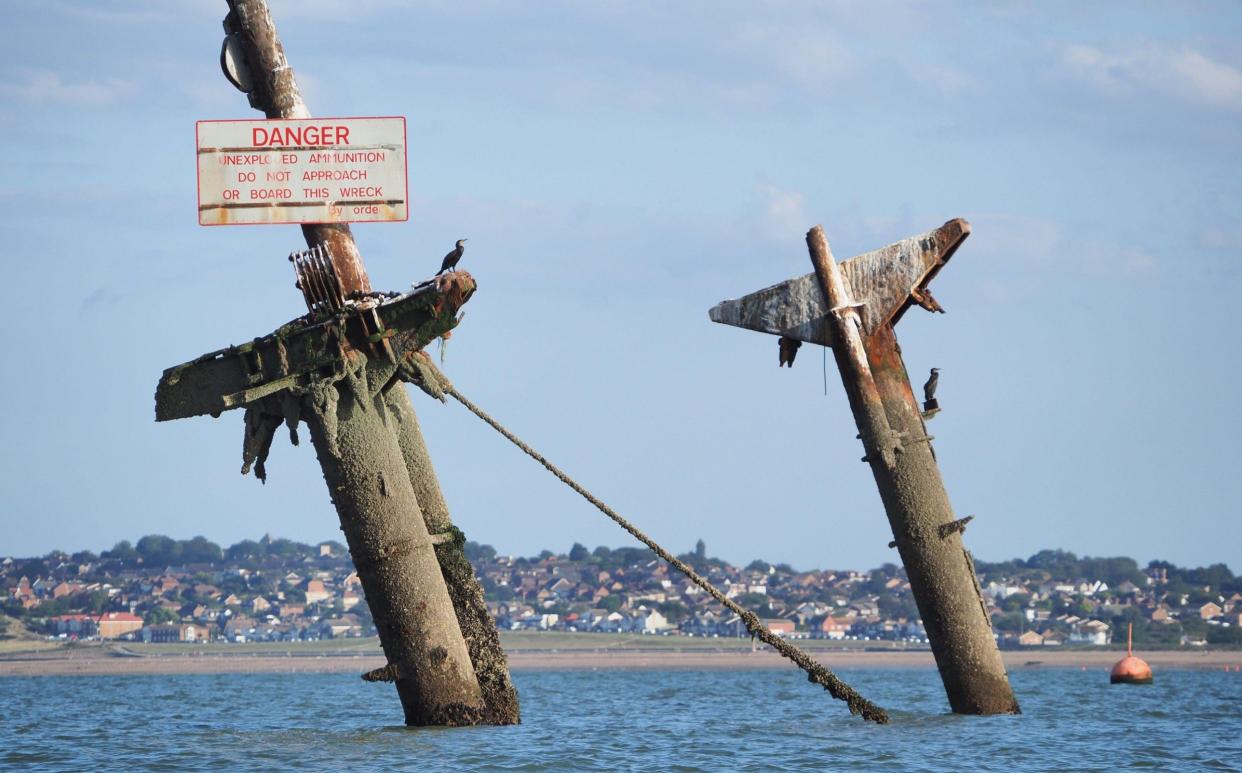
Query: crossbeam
{"points": [[884, 282]]}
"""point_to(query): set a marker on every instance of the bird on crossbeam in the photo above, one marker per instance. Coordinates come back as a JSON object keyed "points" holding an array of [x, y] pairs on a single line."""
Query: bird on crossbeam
{"points": [[451, 259], [789, 350]]}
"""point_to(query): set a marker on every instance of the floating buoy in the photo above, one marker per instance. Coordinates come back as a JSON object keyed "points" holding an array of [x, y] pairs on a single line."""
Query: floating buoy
{"points": [[1130, 670]]}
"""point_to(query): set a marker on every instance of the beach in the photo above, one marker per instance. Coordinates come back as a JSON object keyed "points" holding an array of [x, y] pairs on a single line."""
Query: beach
{"points": [[539, 652]]}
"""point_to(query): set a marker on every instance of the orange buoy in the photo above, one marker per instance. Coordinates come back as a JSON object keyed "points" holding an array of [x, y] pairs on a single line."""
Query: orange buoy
{"points": [[1130, 670]]}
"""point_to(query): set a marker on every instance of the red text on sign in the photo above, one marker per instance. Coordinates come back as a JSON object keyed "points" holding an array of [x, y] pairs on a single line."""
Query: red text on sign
{"points": [[300, 135]]}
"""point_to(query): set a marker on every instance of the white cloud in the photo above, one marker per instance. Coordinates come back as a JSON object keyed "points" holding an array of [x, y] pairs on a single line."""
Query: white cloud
{"points": [[47, 87], [1182, 74], [809, 56], [784, 214], [1221, 237], [947, 80], [1041, 246]]}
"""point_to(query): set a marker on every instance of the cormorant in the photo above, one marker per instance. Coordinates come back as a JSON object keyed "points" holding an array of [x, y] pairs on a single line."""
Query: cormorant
{"points": [[450, 260], [789, 350], [929, 389]]}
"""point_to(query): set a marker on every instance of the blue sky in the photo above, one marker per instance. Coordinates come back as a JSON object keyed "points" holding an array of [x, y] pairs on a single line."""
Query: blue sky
{"points": [[618, 169]]}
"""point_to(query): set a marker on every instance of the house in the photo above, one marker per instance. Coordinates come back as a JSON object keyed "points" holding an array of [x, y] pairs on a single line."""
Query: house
{"points": [[343, 626], [652, 622], [66, 589], [177, 632], [1091, 632], [205, 591], [779, 626], [1053, 638], [315, 592], [1210, 610], [239, 629], [78, 625], [830, 627], [1030, 639], [113, 625]]}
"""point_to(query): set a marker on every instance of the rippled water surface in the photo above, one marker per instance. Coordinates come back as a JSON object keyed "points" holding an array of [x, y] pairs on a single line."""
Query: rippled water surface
{"points": [[640, 720]]}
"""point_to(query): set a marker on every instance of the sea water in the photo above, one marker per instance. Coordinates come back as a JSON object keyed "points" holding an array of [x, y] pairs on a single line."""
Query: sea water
{"points": [[683, 720]]}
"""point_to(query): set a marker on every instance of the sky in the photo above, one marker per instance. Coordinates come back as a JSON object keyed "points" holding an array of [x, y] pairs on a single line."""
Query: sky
{"points": [[618, 169]]}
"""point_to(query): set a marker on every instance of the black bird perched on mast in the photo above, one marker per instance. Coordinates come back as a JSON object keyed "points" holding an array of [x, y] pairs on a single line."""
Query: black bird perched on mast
{"points": [[450, 260], [931, 406], [929, 389]]}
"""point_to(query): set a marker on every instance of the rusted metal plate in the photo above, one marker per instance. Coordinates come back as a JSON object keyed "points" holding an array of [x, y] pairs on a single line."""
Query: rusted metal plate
{"points": [[882, 281], [312, 170], [307, 347]]}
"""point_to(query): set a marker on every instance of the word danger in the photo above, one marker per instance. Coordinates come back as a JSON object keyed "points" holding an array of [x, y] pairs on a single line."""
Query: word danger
{"points": [[284, 171], [299, 135]]}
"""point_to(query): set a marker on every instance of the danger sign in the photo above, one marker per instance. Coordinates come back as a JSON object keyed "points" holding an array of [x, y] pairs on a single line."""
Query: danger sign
{"points": [[314, 170]]}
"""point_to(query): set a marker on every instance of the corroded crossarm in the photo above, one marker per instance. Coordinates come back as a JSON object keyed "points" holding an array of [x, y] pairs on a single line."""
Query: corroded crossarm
{"points": [[885, 282], [303, 349]]}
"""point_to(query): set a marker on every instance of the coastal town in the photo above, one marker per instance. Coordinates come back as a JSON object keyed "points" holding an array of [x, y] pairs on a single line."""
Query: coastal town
{"points": [[164, 590]]}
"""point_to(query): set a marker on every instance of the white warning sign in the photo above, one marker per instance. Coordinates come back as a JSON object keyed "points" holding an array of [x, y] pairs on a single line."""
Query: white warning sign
{"points": [[314, 170]]}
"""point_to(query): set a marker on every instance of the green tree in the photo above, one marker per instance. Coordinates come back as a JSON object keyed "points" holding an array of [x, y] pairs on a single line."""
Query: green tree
{"points": [[501, 593], [758, 565], [158, 615], [247, 548], [286, 548], [578, 552], [1016, 602], [1060, 564], [895, 605], [200, 550], [1009, 622], [476, 552], [121, 551], [1194, 626], [674, 611], [611, 603], [1221, 636], [157, 550], [1163, 635], [758, 603], [700, 550], [96, 601]]}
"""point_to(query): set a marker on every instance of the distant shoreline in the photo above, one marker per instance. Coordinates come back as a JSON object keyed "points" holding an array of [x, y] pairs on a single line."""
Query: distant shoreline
{"points": [[136, 660]]}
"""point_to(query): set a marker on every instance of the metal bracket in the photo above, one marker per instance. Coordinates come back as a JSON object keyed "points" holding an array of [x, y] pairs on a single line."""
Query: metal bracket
{"points": [[317, 279]]}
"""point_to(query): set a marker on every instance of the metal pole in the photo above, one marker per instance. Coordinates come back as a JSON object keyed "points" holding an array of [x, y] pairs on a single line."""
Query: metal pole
{"points": [[394, 556], [490, 665], [899, 452], [426, 687], [276, 94]]}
